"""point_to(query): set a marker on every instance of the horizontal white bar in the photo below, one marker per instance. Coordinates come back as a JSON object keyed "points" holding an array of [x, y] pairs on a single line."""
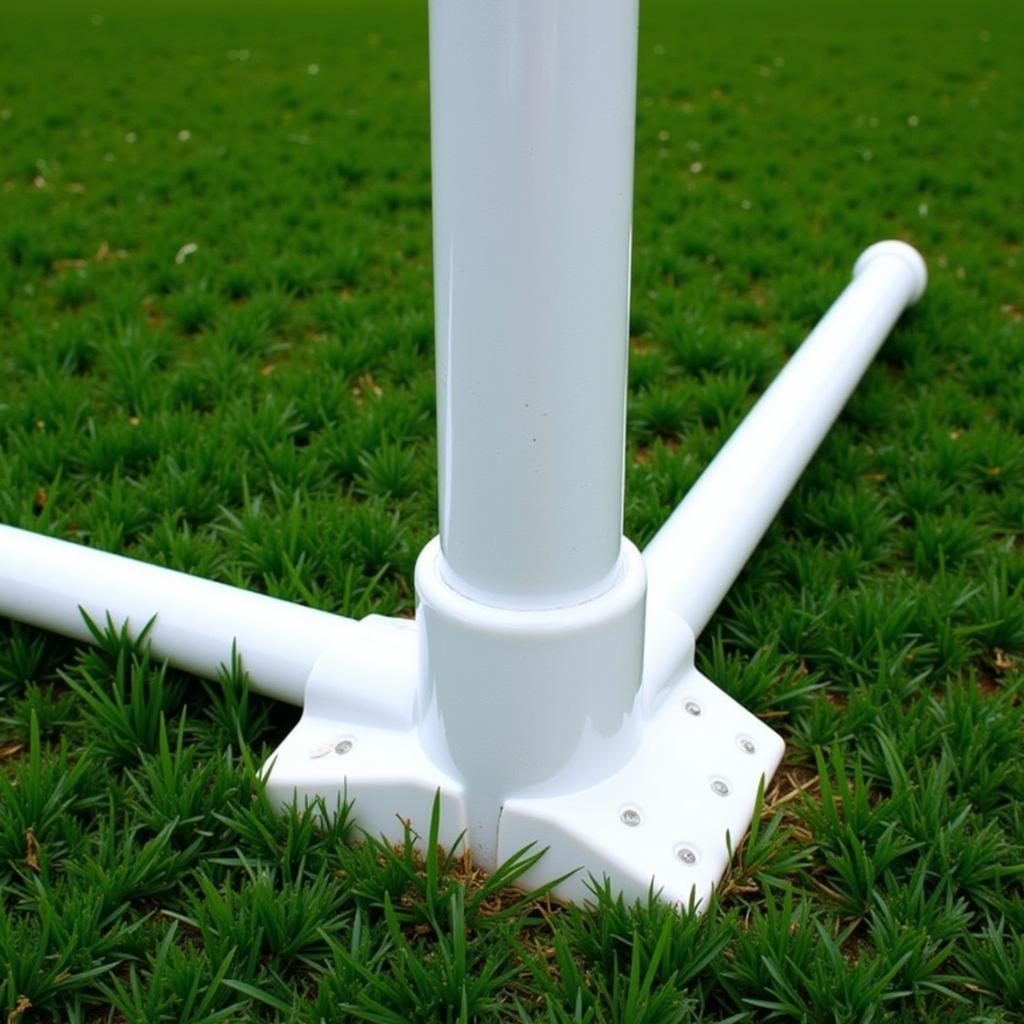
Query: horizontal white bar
{"points": [[694, 558], [45, 582]]}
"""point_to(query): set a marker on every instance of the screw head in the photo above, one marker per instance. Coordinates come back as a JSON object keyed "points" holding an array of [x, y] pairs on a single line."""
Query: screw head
{"points": [[720, 787], [344, 746], [630, 817], [693, 708], [687, 854], [746, 744]]}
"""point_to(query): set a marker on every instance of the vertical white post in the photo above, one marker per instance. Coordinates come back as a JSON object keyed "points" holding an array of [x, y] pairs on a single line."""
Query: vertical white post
{"points": [[531, 605], [532, 112]]}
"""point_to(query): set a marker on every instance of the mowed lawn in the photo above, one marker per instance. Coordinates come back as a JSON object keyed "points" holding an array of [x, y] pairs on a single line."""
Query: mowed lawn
{"points": [[216, 344]]}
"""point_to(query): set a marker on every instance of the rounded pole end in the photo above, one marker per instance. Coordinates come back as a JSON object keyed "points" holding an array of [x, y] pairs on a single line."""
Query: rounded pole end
{"points": [[901, 250]]}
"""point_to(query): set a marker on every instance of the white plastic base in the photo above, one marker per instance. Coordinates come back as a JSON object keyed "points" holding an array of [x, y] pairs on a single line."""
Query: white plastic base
{"points": [[358, 740], [527, 701], [663, 819], [683, 766]]}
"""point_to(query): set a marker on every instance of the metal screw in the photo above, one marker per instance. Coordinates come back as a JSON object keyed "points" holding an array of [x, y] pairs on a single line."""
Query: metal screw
{"points": [[344, 746], [746, 744], [693, 708], [686, 855], [720, 787], [631, 817]]}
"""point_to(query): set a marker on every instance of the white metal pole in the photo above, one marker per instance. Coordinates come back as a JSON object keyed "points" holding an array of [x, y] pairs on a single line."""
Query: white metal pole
{"points": [[530, 604], [694, 558], [532, 113], [49, 582]]}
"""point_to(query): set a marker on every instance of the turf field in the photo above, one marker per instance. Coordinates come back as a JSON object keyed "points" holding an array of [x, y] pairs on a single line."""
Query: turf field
{"points": [[216, 353]]}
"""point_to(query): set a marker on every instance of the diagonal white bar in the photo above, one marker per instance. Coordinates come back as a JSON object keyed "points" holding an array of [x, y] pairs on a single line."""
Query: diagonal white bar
{"points": [[48, 582], [694, 558]]}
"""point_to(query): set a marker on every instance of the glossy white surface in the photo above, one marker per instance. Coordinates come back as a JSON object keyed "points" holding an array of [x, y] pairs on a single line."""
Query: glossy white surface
{"points": [[532, 112], [694, 558], [358, 739], [45, 581], [667, 817], [521, 702], [530, 769]]}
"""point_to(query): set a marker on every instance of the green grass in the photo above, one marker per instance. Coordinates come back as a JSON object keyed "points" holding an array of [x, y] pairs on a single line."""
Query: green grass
{"points": [[215, 339]]}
